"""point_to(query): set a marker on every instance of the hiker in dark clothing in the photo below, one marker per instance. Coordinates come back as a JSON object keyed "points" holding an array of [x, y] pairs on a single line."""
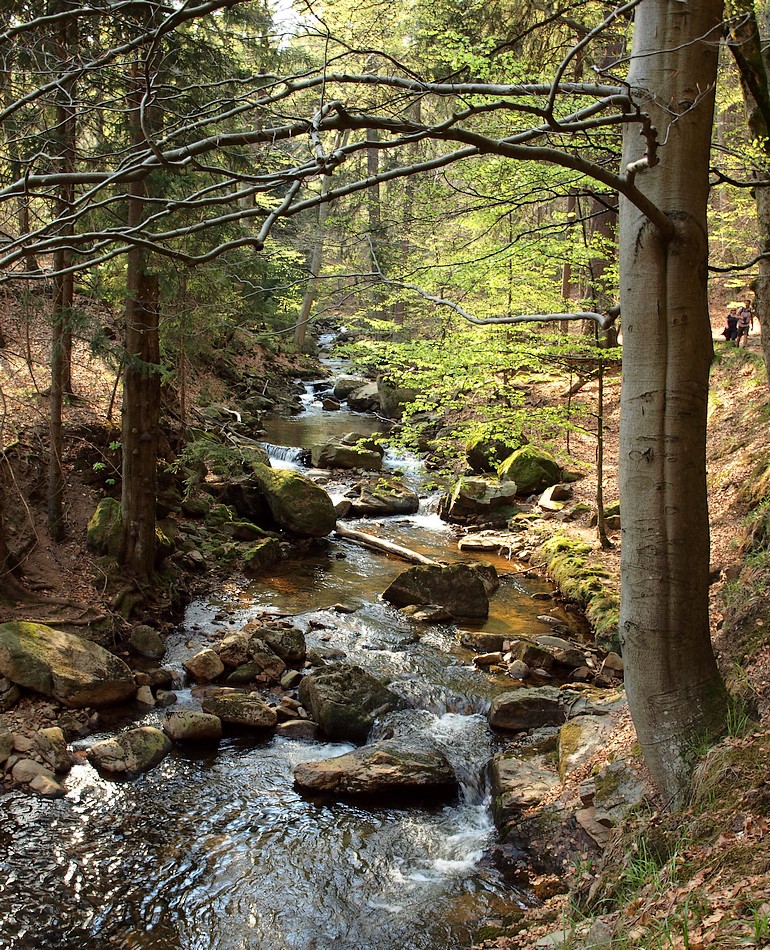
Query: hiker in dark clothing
{"points": [[745, 321], [730, 332]]}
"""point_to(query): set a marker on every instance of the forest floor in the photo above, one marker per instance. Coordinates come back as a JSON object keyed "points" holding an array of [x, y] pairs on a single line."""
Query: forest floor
{"points": [[697, 878]]}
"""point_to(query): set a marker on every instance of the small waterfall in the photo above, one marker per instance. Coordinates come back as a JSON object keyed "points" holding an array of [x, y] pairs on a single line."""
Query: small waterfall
{"points": [[287, 456]]}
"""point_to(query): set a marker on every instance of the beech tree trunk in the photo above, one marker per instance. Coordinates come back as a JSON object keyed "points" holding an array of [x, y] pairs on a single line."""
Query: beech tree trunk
{"points": [[675, 692]]}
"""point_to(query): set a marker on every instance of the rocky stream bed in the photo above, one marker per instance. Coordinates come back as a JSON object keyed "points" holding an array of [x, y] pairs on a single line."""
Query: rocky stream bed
{"points": [[333, 749]]}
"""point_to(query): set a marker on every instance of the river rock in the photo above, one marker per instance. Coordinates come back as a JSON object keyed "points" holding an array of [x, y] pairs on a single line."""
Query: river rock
{"points": [[298, 729], [345, 700], [240, 709], [533, 469], [72, 670], [6, 743], [204, 666], [269, 663], [287, 642], [474, 497], [147, 642], [388, 766], [346, 385], [261, 555], [9, 694], [457, 587], [48, 788], [519, 782], [189, 725], [52, 748], [296, 503], [394, 398], [25, 770], [563, 652], [364, 399], [386, 496], [130, 753], [336, 454], [527, 708], [428, 613]]}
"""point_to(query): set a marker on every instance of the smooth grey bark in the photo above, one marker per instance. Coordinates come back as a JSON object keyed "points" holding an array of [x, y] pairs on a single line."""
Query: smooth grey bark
{"points": [[675, 692]]}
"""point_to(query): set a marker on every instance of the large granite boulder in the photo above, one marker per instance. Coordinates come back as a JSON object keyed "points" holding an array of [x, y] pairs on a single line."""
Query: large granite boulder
{"points": [[72, 670], [532, 469], [345, 700], [460, 588], [240, 709], [474, 497], [523, 709], [296, 503], [131, 752], [386, 767]]}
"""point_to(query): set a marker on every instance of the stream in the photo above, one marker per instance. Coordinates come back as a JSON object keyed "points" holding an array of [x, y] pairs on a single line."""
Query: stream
{"points": [[218, 850]]}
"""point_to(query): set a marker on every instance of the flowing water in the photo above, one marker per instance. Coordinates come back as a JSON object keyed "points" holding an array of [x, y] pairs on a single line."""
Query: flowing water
{"points": [[218, 850]]}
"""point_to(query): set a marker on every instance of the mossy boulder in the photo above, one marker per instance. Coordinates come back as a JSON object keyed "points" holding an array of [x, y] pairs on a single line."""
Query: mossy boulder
{"points": [[474, 497], [130, 753], [461, 588], [345, 700], [260, 556], [75, 671], [296, 504], [105, 528], [484, 454], [532, 468], [336, 454], [394, 398]]}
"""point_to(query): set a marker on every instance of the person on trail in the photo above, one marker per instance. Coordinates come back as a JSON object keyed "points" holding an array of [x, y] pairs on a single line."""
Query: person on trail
{"points": [[730, 332], [745, 321]]}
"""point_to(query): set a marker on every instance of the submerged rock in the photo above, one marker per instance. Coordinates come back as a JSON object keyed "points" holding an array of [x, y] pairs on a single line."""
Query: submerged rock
{"points": [[387, 766]]}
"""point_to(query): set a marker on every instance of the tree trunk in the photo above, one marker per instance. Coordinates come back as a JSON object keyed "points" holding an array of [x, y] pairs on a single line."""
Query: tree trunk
{"points": [[141, 383], [675, 693], [61, 340]]}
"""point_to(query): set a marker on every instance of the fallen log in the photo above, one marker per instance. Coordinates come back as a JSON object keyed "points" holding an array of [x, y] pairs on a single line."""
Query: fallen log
{"points": [[387, 547]]}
